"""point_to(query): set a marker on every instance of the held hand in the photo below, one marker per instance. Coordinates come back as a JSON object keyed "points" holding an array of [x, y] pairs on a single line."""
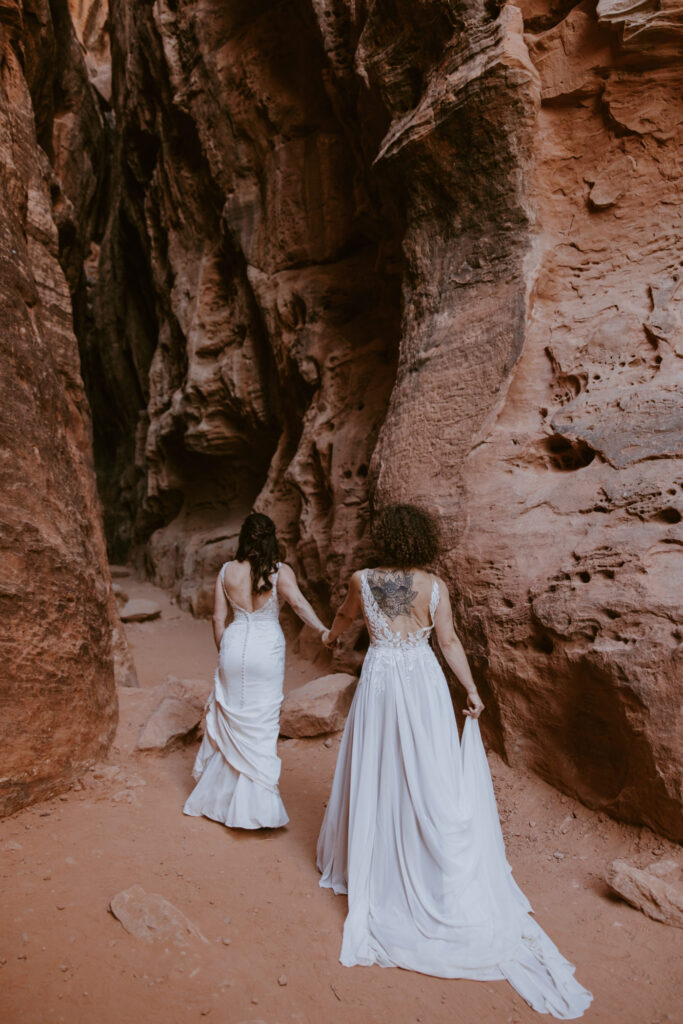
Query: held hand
{"points": [[475, 705], [325, 638]]}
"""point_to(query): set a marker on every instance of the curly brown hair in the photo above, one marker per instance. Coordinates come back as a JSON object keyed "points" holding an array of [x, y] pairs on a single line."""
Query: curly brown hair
{"points": [[405, 536]]}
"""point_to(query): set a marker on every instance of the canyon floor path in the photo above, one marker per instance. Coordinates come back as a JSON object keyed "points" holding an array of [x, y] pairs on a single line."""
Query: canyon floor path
{"points": [[273, 936]]}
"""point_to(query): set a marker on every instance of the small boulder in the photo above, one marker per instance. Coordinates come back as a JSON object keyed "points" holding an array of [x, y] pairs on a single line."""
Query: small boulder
{"points": [[318, 707], [657, 890], [140, 610], [177, 714], [151, 918], [119, 593], [119, 572]]}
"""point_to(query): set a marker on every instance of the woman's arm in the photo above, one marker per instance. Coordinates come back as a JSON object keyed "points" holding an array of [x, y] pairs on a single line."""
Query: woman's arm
{"points": [[453, 651], [348, 612], [220, 610], [288, 588]]}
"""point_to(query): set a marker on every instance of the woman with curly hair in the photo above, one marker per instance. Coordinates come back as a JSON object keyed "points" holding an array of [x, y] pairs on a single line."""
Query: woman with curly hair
{"points": [[237, 768], [411, 830]]}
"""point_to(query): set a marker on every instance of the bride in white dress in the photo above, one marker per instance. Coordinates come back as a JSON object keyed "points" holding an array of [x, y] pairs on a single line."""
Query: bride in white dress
{"points": [[411, 830], [237, 768]]}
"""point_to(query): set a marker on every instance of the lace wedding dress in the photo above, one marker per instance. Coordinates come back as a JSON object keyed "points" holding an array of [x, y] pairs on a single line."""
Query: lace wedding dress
{"points": [[237, 768], [412, 834]]}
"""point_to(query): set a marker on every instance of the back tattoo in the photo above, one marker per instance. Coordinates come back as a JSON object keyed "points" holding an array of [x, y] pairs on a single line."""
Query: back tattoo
{"points": [[393, 591]]}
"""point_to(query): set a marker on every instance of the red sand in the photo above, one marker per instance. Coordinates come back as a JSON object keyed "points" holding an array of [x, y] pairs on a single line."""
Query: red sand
{"points": [[65, 958]]}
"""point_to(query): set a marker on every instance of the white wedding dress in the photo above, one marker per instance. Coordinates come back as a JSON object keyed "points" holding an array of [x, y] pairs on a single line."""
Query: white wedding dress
{"points": [[237, 768], [412, 834]]}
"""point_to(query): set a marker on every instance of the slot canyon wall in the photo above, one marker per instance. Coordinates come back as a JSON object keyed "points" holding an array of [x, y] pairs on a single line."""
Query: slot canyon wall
{"points": [[325, 253], [61, 641]]}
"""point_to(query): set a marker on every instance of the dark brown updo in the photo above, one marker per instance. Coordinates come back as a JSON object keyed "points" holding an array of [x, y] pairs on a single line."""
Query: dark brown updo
{"points": [[258, 545], [405, 536]]}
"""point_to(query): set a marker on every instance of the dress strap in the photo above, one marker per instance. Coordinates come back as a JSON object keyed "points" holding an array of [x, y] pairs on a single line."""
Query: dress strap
{"points": [[434, 600]]}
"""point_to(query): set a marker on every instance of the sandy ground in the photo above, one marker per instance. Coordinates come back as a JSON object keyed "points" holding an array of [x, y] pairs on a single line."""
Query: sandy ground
{"points": [[273, 935]]}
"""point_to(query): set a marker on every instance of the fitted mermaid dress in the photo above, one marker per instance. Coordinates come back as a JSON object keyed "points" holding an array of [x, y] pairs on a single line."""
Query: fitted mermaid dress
{"points": [[412, 834], [237, 768]]}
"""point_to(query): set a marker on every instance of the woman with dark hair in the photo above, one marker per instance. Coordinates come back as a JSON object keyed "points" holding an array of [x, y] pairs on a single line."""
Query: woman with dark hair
{"points": [[411, 830], [237, 768]]}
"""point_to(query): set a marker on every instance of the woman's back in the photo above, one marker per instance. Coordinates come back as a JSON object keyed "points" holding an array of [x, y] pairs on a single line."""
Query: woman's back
{"points": [[404, 597], [238, 586]]}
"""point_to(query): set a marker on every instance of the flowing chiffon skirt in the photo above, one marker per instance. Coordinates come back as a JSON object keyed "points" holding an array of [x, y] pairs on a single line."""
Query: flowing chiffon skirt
{"points": [[412, 834]]}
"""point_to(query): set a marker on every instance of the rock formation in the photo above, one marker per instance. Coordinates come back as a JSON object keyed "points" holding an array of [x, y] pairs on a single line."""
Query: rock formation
{"points": [[318, 707], [323, 254], [60, 630], [568, 550]]}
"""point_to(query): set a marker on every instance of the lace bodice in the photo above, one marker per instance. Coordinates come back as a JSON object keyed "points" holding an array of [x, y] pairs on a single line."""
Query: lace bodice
{"points": [[381, 633], [268, 612]]}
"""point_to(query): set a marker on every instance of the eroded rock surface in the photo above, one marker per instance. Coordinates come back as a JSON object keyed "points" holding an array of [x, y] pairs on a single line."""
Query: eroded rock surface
{"points": [[568, 552], [57, 610]]}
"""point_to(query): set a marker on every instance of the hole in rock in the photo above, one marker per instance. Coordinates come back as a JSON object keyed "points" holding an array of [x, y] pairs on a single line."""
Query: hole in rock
{"points": [[508, 603], [568, 455], [612, 614], [669, 515], [544, 644], [585, 577], [362, 470], [346, 474]]}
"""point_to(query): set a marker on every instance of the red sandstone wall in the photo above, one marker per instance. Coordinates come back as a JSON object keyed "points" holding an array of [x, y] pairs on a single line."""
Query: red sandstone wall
{"points": [[57, 615]]}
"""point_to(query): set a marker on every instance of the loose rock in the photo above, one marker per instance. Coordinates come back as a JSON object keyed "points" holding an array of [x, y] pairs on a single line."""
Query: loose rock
{"points": [[179, 712], [151, 918], [318, 707], [657, 890], [140, 610], [119, 572]]}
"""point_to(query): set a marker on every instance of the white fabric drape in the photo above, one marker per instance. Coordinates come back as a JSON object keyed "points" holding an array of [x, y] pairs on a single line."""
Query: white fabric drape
{"points": [[237, 768], [412, 834]]}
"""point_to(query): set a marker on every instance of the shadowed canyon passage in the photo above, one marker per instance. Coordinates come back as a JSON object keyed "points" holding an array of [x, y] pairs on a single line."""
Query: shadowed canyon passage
{"points": [[315, 254]]}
